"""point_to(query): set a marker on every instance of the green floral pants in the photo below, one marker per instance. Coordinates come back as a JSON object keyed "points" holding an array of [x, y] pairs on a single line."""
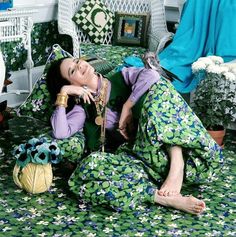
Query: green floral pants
{"points": [[127, 179]]}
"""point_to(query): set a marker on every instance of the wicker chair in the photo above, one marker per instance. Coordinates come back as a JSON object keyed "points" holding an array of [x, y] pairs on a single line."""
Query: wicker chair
{"points": [[158, 33]]}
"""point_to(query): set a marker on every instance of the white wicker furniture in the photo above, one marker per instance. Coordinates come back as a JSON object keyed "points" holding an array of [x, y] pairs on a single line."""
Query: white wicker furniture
{"points": [[17, 25], [180, 6], [2, 71], [158, 33]]}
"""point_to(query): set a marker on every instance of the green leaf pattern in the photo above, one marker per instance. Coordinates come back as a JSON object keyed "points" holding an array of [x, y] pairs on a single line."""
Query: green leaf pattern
{"points": [[59, 213], [128, 179]]}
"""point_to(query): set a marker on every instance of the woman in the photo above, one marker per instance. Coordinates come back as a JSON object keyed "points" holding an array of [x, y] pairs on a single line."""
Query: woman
{"points": [[171, 144]]}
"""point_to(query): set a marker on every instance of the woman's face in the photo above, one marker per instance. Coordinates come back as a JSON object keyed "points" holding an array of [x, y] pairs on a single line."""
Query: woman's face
{"points": [[76, 71]]}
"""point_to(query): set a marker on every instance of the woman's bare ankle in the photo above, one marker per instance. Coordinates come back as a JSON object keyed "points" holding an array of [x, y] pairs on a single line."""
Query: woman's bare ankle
{"points": [[173, 183]]}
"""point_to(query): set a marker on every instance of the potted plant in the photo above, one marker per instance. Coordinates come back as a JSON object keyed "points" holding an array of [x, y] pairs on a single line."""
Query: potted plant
{"points": [[214, 99]]}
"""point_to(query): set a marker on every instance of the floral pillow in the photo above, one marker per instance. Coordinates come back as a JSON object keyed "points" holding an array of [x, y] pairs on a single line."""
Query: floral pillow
{"points": [[95, 19], [38, 104]]}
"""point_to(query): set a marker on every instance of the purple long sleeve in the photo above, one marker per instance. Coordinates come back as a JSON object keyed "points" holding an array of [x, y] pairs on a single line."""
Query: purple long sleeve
{"points": [[146, 78], [65, 125]]}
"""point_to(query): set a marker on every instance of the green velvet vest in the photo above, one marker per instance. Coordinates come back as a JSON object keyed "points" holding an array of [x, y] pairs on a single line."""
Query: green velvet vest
{"points": [[120, 92]]}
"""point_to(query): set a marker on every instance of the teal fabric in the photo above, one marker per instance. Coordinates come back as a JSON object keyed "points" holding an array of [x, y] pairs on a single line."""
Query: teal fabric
{"points": [[38, 151], [72, 147], [41, 141], [207, 27]]}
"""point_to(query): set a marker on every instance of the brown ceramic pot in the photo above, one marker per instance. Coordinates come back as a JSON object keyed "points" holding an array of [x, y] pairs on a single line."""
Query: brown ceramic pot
{"points": [[218, 136]]}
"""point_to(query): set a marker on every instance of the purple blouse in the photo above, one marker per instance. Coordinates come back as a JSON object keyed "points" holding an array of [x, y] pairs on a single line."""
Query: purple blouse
{"points": [[65, 125]]}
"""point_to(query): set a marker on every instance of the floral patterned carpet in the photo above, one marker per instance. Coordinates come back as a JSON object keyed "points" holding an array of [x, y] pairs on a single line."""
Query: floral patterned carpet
{"points": [[58, 213]]}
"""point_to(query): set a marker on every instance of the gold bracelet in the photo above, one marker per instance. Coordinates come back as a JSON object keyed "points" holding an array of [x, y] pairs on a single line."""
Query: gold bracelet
{"points": [[61, 100]]}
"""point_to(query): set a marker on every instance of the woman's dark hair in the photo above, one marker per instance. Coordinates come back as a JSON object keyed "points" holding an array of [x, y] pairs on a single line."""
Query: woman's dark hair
{"points": [[55, 82]]}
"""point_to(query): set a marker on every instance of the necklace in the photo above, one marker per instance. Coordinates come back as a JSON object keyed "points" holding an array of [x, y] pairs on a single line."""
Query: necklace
{"points": [[100, 104]]}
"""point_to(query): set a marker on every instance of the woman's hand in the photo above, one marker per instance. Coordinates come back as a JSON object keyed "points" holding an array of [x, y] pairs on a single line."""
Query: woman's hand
{"points": [[82, 92], [126, 120]]}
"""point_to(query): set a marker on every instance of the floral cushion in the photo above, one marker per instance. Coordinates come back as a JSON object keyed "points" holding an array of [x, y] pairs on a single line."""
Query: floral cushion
{"points": [[38, 104], [95, 19]]}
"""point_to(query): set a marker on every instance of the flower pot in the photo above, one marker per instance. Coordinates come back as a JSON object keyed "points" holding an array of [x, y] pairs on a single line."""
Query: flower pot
{"points": [[218, 136]]}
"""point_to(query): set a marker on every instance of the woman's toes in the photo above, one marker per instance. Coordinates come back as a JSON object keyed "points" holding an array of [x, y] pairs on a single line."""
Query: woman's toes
{"points": [[202, 204], [199, 207], [168, 193], [173, 193], [164, 193]]}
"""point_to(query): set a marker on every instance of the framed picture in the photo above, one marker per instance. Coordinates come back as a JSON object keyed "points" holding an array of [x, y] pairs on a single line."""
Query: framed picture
{"points": [[131, 29], [4, 4]]}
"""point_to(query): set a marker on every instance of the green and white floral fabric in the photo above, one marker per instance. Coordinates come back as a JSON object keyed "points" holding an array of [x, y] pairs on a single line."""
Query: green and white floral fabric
{"points": [[57, 213], [166, 120]]}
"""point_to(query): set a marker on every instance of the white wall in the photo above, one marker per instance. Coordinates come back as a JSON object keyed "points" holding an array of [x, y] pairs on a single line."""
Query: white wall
{"points": [[32, 2], [173, 9], [46, 9]]}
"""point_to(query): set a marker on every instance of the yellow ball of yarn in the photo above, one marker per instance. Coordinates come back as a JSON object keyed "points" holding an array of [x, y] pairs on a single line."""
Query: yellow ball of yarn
{"points": [[33, 178]]}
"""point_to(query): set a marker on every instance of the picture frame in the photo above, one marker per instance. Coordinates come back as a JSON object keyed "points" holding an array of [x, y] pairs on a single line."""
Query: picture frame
{"points": [[131, 29], [5, 4]]}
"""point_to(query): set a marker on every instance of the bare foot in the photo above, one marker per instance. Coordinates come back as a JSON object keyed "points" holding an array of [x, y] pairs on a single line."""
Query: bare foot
{"points": [[173, 183], [187, 204]]}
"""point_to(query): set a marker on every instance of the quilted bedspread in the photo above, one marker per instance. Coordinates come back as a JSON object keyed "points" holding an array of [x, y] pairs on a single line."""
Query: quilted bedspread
{"points": [[58, 213]]}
